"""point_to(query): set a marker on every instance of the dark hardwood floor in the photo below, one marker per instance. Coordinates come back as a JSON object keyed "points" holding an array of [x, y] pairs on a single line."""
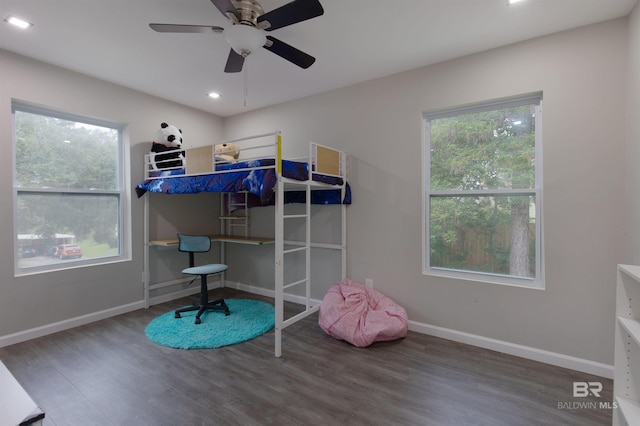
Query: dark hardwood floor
{"points": [[108, 373]]}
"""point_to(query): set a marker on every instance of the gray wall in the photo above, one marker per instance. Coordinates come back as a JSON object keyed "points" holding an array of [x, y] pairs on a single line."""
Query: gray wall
{"points": [[633, 139], [37, 300], [582, 74]]}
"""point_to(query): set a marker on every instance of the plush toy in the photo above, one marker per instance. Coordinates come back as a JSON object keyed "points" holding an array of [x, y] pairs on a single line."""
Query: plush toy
{"points": [[168, 138], [227, 152]]}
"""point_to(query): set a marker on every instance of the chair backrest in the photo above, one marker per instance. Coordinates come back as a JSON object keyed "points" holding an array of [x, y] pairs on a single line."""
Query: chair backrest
{"points": [[194, 243]]}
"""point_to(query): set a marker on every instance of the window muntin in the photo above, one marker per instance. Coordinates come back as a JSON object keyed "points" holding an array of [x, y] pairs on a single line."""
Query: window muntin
{"points": [[482, 192], [68, 189]]}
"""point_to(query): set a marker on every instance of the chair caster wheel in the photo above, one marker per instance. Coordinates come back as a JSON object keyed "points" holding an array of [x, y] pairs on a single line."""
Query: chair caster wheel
{"points": [[198, 321], [178, 315], [227, 313]]}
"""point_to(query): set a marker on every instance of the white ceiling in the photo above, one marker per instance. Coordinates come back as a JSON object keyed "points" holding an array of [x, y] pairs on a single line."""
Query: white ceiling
{"points": [[354, 41]]}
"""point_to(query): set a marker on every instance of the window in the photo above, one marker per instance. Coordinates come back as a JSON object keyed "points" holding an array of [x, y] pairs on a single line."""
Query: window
{"points": [[69, 196], [483, 174]]}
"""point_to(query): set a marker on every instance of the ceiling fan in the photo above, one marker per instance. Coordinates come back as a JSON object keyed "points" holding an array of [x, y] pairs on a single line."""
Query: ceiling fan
{"points": [[249, 23]]}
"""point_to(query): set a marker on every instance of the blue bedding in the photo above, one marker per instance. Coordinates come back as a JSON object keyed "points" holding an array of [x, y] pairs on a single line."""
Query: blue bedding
{"points": [[245, 176]]}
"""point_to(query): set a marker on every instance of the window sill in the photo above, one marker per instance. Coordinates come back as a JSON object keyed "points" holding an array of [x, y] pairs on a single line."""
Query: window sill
{"points": [[527, 283]]}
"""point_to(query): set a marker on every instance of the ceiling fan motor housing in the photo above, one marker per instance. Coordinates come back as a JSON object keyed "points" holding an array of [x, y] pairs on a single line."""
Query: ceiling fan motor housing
{"points": [[249, 11]]}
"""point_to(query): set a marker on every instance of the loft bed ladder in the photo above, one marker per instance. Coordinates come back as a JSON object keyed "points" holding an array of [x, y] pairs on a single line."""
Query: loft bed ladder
{"points": [[282, 253], [284, 249], [230, 222]]}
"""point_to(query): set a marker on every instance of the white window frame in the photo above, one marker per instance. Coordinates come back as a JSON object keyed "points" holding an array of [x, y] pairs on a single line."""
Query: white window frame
{"points": [[538, 281], [122, 192]]}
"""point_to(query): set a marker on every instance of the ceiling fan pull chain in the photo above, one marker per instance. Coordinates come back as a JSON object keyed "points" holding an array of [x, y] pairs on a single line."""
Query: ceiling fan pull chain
{"points": [[246, 90]]}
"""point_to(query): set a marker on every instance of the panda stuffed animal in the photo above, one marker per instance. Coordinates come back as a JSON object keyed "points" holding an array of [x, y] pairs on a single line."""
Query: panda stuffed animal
{"points": [[168, 138]]}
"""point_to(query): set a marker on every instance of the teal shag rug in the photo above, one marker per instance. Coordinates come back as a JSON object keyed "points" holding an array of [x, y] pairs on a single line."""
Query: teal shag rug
{"points": [[248, 319]]}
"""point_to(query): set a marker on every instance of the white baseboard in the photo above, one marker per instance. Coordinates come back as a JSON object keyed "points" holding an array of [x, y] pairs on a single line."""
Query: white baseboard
{"points": [[534, 354], [189, 291], [301, 300], [552, 358], [34, 333]]}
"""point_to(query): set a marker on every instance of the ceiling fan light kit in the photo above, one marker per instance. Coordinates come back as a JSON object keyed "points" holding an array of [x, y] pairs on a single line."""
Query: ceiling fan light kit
{"points": [[244, 39]]}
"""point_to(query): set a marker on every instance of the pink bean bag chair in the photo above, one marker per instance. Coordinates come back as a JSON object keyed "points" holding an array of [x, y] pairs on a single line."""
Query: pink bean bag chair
{"points": [[361, 315]]}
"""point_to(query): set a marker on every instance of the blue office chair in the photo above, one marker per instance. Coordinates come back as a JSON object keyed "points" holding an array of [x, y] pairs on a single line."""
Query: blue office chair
{"points": [[201, 244]]}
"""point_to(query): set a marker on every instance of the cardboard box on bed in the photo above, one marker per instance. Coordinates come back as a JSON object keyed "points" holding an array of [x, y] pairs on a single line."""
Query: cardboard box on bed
{"points": [[199, 160]]}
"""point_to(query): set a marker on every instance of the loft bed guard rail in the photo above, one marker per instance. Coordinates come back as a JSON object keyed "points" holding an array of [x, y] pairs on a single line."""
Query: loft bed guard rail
{"points": [[257, 170], [208, 159], [321, 159]]}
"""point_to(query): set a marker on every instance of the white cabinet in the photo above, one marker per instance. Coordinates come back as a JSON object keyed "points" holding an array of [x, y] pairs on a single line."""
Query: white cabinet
{"points": [[626, 385]]}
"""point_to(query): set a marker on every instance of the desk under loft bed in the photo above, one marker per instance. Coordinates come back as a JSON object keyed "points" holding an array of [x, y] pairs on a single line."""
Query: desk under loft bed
{"points": [[259, 177]]}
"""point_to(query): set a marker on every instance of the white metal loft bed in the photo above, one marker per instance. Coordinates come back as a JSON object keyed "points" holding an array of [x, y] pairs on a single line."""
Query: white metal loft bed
{"points": [[324, 169]]}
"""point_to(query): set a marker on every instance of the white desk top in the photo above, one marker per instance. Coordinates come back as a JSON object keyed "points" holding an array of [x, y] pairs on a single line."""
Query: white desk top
{"points": [[224, 238]]}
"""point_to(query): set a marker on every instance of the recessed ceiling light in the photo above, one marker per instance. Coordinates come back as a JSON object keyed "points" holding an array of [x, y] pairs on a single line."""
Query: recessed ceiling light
{"points": [[214, 95], [510, 2], [20, 23]]}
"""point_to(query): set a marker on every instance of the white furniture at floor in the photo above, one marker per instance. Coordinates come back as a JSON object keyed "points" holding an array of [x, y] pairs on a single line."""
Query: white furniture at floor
{"points": [[16, 406], [626, 385]]}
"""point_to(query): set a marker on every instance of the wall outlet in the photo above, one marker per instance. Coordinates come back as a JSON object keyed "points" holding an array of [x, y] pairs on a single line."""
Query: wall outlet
{"points": [[368, 282]]}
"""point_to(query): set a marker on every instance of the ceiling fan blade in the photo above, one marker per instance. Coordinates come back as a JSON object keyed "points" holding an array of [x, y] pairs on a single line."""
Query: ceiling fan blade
{"points": [[289, 53], [177, 28], [291, 13], [234, 62], [226, 7]]}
